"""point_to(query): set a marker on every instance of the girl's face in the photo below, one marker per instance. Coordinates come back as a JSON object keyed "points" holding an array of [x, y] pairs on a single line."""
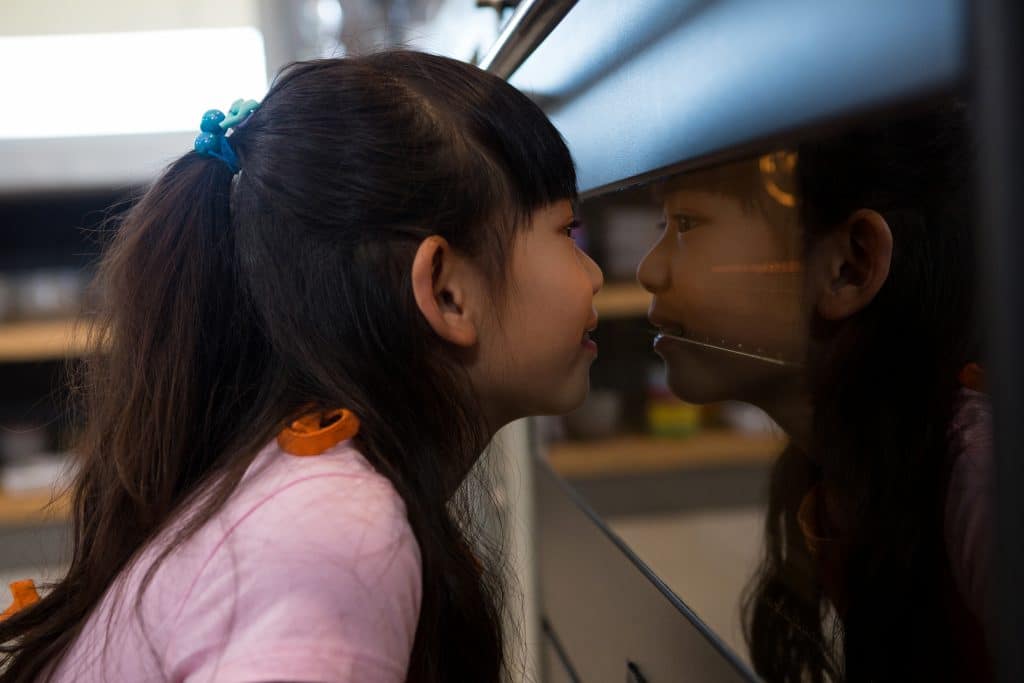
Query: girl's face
{"points": [[727, 296], [534, 358]]}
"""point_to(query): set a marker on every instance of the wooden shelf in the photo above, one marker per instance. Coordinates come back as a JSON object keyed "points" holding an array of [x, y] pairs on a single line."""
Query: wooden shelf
{"points": [[42, 340], [626, 455], [31, 507], [622, 300], [55, 339]]}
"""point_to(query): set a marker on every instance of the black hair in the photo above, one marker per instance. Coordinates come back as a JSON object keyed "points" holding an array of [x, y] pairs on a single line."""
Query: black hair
{"points": [[883, 384]]}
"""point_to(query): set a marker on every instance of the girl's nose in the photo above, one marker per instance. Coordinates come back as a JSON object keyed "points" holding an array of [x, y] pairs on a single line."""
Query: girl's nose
{"points": [[594, 271]]}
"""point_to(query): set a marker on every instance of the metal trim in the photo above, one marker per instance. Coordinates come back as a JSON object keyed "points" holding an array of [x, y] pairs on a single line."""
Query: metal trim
{"points": [[529, 25]]}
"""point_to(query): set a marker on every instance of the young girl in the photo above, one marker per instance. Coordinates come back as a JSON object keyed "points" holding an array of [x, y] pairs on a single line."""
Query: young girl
{"points": [[312, 326]]}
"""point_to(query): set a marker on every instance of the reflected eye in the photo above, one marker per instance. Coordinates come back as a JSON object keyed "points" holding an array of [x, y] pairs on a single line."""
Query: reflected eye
{"points": [[684, 222]]}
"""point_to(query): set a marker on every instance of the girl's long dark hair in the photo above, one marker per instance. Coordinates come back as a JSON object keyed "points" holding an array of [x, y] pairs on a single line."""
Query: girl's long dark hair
{"points": [[232, 304], [883, 385]]}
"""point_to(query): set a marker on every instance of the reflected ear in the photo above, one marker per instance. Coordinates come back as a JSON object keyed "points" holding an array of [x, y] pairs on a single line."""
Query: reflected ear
{"points": [[853, 264], [440, 284]]}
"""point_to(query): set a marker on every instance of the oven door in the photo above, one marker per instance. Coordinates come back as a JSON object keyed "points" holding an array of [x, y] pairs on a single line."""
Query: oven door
{"points": [[641, 92], [606, 615]]}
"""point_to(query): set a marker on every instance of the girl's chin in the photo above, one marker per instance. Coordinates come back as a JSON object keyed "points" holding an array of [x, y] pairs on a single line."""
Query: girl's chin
{"points": [[568, 397]]}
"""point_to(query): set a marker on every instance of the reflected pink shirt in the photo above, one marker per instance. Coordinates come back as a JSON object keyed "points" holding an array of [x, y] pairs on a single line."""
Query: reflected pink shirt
{"points": [[970, 503], [310, 572]]}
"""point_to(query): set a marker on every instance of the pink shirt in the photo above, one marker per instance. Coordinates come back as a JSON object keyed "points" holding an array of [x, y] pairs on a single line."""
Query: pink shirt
{"points": [[310, 572]]}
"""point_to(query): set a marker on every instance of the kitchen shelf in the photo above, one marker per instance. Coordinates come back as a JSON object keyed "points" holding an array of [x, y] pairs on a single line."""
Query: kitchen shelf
{"points": [[31, 507], [56, 339], [622, 300], [625, 455], [42, 340]]}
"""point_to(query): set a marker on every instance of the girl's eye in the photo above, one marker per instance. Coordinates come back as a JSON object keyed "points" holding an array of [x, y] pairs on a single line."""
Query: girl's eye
{"points": [[571, 228]]}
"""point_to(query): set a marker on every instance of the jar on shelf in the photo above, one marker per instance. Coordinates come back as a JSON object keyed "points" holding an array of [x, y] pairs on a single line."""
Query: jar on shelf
{"points": [[667, 414]]}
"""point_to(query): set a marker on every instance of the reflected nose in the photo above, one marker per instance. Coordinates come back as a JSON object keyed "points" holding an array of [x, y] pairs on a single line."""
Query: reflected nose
{"points": [[653, 271]]}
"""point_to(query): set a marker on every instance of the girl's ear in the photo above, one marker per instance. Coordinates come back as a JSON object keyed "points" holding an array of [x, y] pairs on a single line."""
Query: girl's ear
{"points": [[852, 264], [441, 283]]}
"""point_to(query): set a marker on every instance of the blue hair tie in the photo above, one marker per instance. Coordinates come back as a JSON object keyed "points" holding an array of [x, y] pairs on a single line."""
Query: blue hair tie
{"points": [[213, 140]]}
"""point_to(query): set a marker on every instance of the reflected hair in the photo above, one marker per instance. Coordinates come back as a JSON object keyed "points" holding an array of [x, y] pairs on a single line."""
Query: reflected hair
{"points": [[883, 384]]}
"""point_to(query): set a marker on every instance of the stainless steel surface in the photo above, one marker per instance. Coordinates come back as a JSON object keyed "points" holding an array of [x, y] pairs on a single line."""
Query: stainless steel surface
{"points": [[606, 608], [528, 26], [999, 68], [638, 86]]}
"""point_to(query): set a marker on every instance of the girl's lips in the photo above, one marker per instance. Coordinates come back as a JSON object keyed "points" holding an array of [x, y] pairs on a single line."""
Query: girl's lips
{"points": [[588, 343]]}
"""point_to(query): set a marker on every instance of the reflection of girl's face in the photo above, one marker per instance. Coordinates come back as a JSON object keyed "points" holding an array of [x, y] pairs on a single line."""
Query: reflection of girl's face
{"points": [[725, 278]]}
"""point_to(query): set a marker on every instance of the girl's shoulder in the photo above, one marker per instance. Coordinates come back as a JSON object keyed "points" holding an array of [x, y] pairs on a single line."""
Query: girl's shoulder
{"points": [[293, 489], [312, 556], [288, 509]]}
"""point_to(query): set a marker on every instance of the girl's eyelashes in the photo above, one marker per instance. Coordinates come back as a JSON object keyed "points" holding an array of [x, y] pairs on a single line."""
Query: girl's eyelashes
{"points": [[571, 228]]}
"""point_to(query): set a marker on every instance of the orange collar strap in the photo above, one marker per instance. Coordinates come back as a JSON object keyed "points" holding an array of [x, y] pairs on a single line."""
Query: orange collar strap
{"points": [[315, 433], [24, 593]]}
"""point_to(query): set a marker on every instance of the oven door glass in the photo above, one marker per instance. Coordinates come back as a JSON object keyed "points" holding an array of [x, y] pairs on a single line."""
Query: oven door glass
{"points": [[787, 421]]}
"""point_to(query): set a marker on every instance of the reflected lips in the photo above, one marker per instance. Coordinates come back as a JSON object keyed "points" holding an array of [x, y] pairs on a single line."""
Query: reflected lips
{"points": [[666, 330], [667, 334]]}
